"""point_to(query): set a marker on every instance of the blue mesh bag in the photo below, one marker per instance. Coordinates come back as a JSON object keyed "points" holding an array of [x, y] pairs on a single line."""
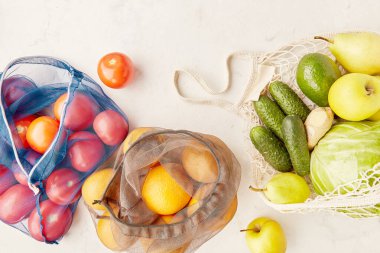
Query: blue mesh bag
{"points": [[56, 127]]}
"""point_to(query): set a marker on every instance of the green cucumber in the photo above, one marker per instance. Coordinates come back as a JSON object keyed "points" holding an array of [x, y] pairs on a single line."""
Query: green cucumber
{"points": [[271, 148], [270, 114], [295, 141], [288, 100]]}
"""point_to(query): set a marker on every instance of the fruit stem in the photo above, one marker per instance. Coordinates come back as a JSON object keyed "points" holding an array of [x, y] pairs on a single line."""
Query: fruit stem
{"points": [[96, 202], [255, 229], [255, 189], [323, 38]]}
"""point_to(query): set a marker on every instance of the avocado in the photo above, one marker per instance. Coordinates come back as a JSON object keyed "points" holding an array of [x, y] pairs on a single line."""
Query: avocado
{"points": [[315, 74]]}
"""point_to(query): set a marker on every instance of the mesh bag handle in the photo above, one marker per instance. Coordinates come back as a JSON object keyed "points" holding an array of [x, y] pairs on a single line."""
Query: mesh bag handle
{"points": [[260, 74], [360, 203]]}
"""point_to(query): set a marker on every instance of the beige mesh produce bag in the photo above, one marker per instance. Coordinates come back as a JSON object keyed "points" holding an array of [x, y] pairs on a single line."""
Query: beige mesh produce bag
{"points": [[358, 199], [203, 166]]}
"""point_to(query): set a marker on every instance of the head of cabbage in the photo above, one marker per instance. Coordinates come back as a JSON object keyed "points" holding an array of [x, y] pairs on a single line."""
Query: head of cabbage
{"points": [[346, 151]]}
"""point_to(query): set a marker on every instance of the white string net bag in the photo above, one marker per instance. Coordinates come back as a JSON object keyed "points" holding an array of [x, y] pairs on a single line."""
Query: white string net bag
{"points": [[358, 199]]}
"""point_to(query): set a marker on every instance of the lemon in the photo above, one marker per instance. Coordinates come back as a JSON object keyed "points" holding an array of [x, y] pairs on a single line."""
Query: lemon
{"points": [[105, 235], [162, 193], [134, 136], [94, 187]]}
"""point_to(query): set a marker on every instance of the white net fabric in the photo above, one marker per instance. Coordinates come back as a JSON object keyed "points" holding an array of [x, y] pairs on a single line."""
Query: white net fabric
{"points": [[360, 198], [357, 199]]}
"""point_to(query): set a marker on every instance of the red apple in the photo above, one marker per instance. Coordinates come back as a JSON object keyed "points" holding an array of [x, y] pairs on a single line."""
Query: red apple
{"points": [[6, 179], [16, 203], [80, 113], [56, 221], [15, 87], [63, 186], [32, 158], [111, 127], [86, 151]]}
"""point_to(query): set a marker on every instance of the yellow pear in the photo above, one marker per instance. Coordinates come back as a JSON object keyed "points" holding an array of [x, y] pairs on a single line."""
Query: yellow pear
{"points": [[357, 52]]}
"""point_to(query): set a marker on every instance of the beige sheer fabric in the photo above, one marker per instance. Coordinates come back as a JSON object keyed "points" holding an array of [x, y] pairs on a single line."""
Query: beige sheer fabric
{"points": [[137, 229]]}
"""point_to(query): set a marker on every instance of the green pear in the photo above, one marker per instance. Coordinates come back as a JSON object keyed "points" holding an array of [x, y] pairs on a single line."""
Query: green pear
{"points": [[355, 96], [286, 188], [264, 235], [357, 52]]}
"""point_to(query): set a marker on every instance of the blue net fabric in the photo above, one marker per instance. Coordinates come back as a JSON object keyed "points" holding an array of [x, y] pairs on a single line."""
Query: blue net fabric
{"points": [[39, 191]]}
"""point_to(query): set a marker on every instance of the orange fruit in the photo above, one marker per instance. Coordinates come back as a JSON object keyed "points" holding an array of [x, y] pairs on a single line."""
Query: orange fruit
{"points": [[200, 194], [94, 187], [162, 193], [41, 133], [169, 219], [199, 163]]}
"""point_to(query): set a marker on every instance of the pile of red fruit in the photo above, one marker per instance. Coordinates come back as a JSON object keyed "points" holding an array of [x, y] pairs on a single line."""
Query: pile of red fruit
{"points": [[89, 129]]}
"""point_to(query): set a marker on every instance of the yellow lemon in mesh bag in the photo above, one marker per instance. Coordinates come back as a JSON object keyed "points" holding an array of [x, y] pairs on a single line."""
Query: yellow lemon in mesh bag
{"points": [[134, 136], [165, 194], [104, 231], [199, 163], [94, 187]]}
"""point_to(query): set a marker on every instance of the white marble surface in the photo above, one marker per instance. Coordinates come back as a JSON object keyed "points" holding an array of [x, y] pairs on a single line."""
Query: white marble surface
{"points": [[161, 36]]}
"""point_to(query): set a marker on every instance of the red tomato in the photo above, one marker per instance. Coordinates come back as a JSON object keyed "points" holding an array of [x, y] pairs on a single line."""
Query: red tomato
{"points": [[56, 221], [86, 151], [16, 203], [32, 157], [6, 179], [41, 133], [63, 186], [79, 114], [16, 87], [111, 127], [22, 126], [115, 70]]}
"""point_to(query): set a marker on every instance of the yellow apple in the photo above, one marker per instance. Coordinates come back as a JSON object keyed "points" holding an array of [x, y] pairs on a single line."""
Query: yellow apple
{"points": [[355, 96], [264, 235], [375, 117]]}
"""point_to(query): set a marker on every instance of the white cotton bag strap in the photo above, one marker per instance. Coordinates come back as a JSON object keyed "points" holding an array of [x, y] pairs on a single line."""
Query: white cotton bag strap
{"points": [[259, 76]]}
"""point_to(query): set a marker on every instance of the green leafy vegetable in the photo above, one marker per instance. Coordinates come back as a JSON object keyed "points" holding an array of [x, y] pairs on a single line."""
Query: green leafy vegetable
{"points": [[348, 149]]}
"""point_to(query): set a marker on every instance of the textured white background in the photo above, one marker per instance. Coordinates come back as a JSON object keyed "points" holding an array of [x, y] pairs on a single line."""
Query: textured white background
{"points": [[161, 36]]}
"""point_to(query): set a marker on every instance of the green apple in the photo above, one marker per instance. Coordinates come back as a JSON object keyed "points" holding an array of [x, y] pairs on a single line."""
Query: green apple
{"points": [[355, 96], [264, 235]]}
